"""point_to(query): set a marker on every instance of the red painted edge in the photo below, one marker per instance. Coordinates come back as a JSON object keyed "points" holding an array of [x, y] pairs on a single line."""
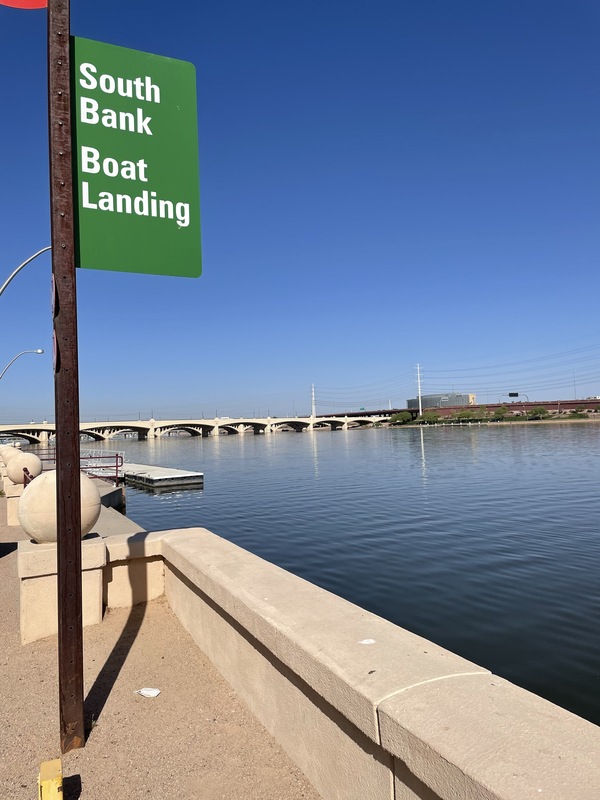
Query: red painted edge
{"points": [[24, 3]]}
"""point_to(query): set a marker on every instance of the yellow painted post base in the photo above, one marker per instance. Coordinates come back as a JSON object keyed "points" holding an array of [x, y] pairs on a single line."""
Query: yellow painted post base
{"points": [[50, 780]]}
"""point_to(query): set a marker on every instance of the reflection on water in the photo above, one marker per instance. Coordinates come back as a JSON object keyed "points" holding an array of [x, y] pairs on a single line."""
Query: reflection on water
{"points": [[314, 435], [483, 539]]}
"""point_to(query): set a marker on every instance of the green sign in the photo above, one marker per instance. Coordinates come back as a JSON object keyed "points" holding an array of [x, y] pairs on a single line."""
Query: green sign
{"points": [[135, 153]]}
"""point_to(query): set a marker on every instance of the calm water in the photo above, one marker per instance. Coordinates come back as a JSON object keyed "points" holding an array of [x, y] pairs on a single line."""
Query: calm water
{"points": [[485, 540]]}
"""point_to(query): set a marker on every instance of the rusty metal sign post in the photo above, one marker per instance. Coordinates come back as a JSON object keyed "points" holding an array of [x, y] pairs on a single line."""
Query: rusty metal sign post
{"points": [[169, 225], [66, 382]]}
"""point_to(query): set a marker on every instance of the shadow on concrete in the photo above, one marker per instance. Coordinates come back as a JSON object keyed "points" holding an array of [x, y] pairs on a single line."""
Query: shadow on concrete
{"points": [[341, 722], [100, 691], [72, 787], [7, 547]]}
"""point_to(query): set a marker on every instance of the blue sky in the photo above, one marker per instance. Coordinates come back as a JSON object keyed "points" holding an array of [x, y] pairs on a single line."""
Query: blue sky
{"points": [[382, 184]]}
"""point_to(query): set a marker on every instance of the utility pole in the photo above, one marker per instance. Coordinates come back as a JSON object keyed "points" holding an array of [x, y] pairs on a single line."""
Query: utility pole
{"points": [[313, 405], [419, 389], [66, 382]]}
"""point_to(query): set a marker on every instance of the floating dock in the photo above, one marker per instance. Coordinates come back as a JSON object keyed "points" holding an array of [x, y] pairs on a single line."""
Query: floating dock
{"points": [[150, 477]]}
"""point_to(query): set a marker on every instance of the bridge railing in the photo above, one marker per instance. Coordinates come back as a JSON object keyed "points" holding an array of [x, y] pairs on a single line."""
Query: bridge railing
{"points": [[105, 464]]}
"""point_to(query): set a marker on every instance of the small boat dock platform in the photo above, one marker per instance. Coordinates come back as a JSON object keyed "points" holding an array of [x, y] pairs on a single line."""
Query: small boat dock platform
{"points": [[151, 477]]}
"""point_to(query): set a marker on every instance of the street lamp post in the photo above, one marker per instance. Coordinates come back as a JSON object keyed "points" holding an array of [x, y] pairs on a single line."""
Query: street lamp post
{"points": [[20, 267], [38, 352], [516, 394]]}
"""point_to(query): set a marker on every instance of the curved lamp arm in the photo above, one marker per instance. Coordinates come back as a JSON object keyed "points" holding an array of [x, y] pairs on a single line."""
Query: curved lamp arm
{"points": [[38, 351], [20, 267]]}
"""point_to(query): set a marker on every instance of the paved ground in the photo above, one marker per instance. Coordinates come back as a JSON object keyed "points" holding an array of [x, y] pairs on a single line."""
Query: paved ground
{"points": [[195, 741]]}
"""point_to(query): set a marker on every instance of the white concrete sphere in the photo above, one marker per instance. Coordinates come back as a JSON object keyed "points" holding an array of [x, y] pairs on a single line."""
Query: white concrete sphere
{"points": [[37, 507], [14, 468], [9, 452], [14, 446]]}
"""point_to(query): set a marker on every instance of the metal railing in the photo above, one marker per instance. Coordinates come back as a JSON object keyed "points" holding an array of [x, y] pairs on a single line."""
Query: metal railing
{"points": [[105, 464]]}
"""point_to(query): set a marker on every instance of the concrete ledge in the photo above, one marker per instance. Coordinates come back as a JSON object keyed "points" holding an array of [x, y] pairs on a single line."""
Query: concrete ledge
{"points": [[135, 572], [110, 496], [140, 544], [367, 709], [112, 523], [339, 760], [34, 559], [12, 489], [128, 583], [13, 492], [483, 737], [352, 658], [36, 564]]}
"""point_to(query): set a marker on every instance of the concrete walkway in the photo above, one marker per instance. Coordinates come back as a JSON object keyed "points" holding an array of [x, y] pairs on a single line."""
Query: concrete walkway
{"points": [[195, 741]]}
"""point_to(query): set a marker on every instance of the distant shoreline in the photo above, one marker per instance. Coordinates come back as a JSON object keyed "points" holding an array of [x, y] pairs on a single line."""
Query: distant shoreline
{"points": [[466, 423]]}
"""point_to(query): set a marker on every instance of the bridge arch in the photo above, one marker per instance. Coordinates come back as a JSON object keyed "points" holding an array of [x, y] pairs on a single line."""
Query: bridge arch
{"points": [[30, 438], [194, 429], [296, 424], [97, 436], [242, 426]]}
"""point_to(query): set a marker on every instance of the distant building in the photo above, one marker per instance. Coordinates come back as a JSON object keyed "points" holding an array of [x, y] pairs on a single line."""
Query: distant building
{"points": [[442, 400]]}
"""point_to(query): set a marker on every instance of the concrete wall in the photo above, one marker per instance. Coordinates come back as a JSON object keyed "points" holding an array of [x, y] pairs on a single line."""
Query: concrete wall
{"points": [[38, 600], [134, 571], [37, 566], [366, 709]]}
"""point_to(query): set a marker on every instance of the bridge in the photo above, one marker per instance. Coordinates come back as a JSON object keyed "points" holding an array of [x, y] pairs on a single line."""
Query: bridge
{"points": [[44, 432], [36, 432]]}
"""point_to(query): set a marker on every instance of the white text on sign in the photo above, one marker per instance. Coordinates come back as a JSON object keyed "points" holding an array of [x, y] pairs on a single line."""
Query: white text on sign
{"points": [[148, 203]]}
